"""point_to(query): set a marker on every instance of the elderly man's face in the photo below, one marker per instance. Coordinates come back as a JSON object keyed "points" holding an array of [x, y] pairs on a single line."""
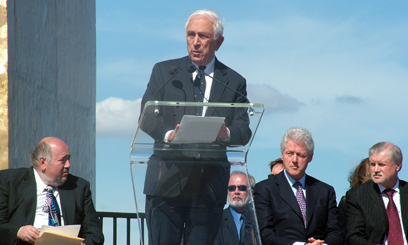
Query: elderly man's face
{"points": [[295, 159], [383, 170], [201, 44], [237, 198], [56, 171]]}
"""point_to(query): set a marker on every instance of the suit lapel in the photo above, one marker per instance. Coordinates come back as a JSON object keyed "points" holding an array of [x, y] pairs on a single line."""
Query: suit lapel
{"points": [[286, 193], [217, 89], [311, 197], [230, 223], [404, 207], [186, 79], [30, 195], [67, 204]]}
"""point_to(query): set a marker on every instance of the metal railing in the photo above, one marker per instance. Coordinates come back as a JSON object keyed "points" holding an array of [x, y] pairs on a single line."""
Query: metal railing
{"points": [[128, 216]]}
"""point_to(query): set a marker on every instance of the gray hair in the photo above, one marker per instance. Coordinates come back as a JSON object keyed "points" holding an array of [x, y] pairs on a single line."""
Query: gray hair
{"points": [[43, 149], [298, 135], [213, 17], [393, 151]]}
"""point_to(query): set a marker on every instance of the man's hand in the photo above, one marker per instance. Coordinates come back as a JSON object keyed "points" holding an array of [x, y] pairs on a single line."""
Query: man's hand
{"points": [[224, 132], [172, 135], [313, 241], [28, 233]]}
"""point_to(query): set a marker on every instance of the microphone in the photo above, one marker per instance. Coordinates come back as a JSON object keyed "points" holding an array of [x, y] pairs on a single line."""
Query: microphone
{"points": [[192, 68], [173, 70]]}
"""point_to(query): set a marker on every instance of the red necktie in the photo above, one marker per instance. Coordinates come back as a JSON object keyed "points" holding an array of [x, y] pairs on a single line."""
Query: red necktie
{"points": [[394, 225]]}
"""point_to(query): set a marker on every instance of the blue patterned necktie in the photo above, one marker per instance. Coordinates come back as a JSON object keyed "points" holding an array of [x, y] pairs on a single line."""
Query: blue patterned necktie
{"points": [[300, 197], [51, 207]]}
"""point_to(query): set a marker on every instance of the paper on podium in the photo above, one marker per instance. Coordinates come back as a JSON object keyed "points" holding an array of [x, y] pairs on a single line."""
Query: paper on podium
{"points": [[197, 129], [67, 235]]}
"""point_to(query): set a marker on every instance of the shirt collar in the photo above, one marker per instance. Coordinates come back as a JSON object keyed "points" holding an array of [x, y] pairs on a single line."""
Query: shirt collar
{"points": [[292, 180], [209, 68], [395, 188], [40, 183]]}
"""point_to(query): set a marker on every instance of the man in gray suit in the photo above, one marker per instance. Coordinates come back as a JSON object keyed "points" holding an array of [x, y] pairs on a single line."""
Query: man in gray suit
{"points": [[376, 208], [23, 197]]}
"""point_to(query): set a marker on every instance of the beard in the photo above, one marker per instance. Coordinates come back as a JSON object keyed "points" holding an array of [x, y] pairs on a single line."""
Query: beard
{"points": [[238, 203], [54, 182]]}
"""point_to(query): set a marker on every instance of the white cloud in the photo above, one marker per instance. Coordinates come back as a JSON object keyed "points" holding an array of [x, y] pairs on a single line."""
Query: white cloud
{"points": [[272, 99], [116, 117]]}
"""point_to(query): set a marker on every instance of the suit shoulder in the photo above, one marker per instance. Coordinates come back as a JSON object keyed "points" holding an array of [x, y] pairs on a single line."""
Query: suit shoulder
{"points": [[74, 181], [320, 184], [175, 62], [363, 188], [221, 66], [13, 173]]}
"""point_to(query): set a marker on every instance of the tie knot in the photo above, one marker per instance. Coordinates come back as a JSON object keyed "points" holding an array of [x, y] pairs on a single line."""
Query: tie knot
{"points": [[389, 192], [298, 185], [202, 68], [49, 188]]}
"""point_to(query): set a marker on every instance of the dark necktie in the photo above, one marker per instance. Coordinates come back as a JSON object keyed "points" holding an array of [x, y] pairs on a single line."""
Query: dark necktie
{"points": [[394, 225], [199, 89], [300, 197], [242, 231], [51, 207]]}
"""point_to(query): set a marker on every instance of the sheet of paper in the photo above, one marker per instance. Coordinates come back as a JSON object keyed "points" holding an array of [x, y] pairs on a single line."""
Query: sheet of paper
{"points": [[69, 230], [197, 129], [50, 238]]}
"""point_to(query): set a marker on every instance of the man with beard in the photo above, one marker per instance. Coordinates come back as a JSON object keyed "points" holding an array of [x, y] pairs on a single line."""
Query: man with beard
{"points": [[234, 227], [46, 194]]}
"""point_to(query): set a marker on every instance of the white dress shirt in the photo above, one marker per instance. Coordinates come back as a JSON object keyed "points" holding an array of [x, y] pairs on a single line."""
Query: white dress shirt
{"points": [[41, 218], [396, 197]]}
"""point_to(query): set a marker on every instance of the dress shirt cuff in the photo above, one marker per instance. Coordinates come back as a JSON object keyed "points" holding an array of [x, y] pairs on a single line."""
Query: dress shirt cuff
{"points": [[166, 136]]}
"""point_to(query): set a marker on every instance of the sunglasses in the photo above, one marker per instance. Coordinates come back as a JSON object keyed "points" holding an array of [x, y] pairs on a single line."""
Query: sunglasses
{"points": [[232, 188]]}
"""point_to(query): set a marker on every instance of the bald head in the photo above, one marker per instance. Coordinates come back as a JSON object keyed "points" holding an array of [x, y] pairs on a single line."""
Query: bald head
{"points": [[50, 159]]}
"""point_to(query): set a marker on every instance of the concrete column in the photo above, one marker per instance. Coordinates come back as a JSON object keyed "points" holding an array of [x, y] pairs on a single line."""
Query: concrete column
{"points": [[48, 80]]}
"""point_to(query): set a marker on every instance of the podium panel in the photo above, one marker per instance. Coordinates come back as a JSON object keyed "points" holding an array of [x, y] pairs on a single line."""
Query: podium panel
{"points": [[182, 185]]}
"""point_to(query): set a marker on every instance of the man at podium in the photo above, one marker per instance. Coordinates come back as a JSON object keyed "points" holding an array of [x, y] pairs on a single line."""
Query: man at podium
{"points": [[186, 191]]}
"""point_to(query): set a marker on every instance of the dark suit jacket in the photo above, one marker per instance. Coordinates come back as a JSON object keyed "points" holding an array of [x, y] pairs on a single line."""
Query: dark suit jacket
{"points": [[164, 176], [18, 201], [228, 234], [367, 221], [280, 219]]}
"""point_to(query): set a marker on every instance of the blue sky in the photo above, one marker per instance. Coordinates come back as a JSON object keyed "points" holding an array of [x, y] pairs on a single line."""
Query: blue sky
{"points": [[337, 68]]}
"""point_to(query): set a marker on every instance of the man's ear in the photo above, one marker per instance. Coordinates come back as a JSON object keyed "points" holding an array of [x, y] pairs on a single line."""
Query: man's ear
{"points": [[42, 163], [220, 40]]}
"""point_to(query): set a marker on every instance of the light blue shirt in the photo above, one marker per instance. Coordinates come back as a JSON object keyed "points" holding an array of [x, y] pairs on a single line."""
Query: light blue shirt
{"points": [[237, 219]]}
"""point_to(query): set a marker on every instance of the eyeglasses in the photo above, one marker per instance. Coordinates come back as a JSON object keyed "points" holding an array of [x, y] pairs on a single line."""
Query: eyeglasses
{"points": [[232, 188]]}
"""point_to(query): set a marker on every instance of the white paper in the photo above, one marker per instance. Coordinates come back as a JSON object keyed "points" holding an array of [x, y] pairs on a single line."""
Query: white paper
{"points": [[69, 230], [197, 129]]}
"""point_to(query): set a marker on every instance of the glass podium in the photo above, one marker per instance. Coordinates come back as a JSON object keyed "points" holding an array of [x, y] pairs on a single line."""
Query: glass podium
{"points": [[196, 165]]}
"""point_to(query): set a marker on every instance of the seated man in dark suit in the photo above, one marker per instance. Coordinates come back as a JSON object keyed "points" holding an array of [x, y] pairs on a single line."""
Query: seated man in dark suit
{"points": [[377, 209], [293, 207], [235, 229], [46, 194]]}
